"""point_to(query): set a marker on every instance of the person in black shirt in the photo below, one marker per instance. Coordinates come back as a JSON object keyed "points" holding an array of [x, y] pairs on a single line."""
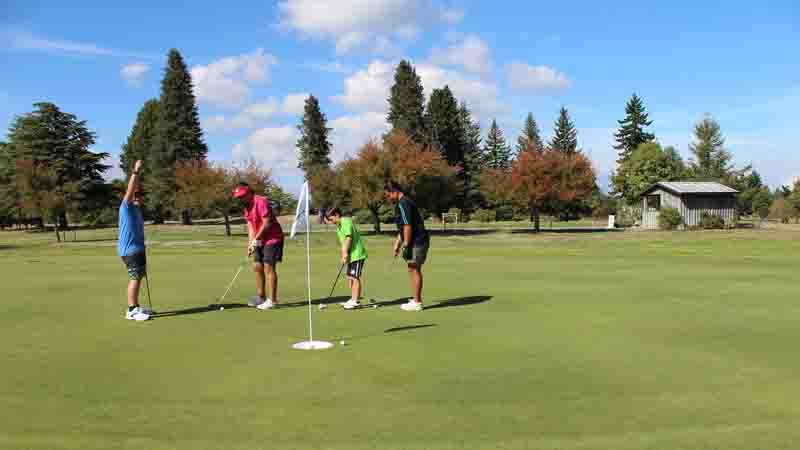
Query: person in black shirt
{"points": [[413, 240]]}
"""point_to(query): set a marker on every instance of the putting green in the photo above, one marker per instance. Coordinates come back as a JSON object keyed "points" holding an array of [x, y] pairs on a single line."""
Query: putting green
{"points": [[589, 341]]}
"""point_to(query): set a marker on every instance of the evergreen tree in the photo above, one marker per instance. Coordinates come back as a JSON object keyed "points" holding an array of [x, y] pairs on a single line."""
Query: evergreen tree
{"points": [[530, 137], [407, 102], [443, 125], [313, 146], [496, 153], [711, 160], [55, 145], [8, 192], [471, 138], [140, 143], [565, 139], [178, 135], [631, 132]]}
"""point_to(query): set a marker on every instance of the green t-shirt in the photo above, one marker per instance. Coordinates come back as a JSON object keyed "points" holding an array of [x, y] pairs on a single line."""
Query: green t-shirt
{"points": [[347, 228]]}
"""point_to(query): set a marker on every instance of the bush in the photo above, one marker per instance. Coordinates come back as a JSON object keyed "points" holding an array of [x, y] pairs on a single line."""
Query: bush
{"points": [[711, 222], [504, 213], [521, 214], [483, 215], [386, 214], [669, 219], [362, 216]]}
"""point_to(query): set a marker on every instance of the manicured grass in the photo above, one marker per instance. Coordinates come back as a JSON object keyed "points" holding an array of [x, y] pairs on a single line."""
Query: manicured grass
{"points": [[592, 341]]}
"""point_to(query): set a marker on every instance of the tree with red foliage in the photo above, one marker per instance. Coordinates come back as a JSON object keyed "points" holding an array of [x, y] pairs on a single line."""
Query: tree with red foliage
{"points": [[543, 179]]}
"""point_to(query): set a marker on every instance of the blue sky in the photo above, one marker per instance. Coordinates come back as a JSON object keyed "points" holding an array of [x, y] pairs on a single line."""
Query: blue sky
{"points": [[253, 63]]}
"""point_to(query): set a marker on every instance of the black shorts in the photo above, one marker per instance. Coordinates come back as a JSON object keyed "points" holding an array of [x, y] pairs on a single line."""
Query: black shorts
{"points": [[136, 265], [269, 254], [355, 268], [419, 254]]}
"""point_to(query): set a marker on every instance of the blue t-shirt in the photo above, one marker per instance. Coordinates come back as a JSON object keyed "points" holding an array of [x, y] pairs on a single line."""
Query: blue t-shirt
{"points": [[131, 230]]}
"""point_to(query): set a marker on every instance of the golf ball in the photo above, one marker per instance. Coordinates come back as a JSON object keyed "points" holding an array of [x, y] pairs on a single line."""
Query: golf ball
{"points": [[322, 306], [374, 306], [222, 308], [341, 343]]}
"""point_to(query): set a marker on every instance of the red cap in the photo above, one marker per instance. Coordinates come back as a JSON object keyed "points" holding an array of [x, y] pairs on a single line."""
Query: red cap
{"points": [[240, 192]]}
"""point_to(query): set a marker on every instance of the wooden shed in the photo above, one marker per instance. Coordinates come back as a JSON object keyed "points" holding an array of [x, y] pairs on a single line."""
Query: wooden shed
{"points": [[692, 199]]}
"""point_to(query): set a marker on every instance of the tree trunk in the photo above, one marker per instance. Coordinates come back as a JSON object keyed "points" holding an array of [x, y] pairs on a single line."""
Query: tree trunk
{"points": [[227, 225], [535, 214], [55, 227], [377, 218], [186, 216]]}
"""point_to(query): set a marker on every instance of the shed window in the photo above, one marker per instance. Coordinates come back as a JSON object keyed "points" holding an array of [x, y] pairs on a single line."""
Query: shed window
{"points": [[654, 202]]}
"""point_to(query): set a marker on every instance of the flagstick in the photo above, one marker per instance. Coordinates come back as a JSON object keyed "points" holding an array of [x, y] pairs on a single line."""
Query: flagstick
{"points": [[308, 269]]}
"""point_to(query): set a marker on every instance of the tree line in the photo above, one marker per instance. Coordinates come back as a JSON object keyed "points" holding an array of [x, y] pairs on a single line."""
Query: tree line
{"points": [[435, 148]]}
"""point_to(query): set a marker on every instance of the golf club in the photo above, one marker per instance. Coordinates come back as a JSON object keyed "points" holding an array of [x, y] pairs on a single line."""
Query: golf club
{"points": [[336, 281], [219, 300], [147, 284]]}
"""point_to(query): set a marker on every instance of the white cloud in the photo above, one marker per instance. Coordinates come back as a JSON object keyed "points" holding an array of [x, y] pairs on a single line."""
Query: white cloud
{"points": [[353, 131], [134, 73], [470, 52], [332, 67], [355, 24], [256, 114], [21, 40], [480, 95], [294, 104], [273, 146], [226, 82], [368, 89], [537, 78]]}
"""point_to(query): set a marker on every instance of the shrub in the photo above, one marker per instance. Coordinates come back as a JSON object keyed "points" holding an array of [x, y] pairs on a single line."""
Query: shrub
{"points": [[362, 216], [483, 215], [504, 212], [386, 214], [521, 214], [711, 222], [669, 219]]}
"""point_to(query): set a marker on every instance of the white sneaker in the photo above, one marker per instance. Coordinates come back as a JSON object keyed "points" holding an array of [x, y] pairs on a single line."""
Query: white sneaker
{"points": [[137, 315], [411, 306], [255, 301], [268, 304], [351, 304]]}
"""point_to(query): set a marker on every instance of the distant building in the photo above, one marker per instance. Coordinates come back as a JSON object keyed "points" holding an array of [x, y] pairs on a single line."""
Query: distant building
{"points": [[691, 199]]}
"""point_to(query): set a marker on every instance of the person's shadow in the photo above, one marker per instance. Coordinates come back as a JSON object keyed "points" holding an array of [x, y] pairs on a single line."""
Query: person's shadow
{"points": [[461, 301]]}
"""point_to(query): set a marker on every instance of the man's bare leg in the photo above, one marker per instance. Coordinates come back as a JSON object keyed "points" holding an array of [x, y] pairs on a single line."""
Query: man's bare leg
{"points": [[272, 281]]}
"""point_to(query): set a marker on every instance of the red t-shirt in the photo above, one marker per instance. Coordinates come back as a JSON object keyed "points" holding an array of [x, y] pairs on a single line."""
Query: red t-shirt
{"points": [[260, 209]]}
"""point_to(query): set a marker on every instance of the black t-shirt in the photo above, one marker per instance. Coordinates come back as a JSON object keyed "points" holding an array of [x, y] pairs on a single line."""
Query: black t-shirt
{"points": [[406, 213]]}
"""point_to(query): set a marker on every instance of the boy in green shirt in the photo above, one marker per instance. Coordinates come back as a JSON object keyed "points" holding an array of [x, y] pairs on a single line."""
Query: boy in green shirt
{"points": [[354, 254]]}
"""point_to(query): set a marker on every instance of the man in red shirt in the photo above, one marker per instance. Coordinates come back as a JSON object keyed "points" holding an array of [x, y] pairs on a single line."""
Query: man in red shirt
{"points": [[265, 244]]}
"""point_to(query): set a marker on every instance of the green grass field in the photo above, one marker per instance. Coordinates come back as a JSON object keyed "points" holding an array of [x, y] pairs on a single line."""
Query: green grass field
{"points": [[556, 341]]}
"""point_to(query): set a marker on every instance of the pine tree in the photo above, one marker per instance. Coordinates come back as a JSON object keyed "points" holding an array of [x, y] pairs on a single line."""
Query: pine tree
{"points": [[530, 137], [407, 102], [496, 153], [471, 137], [565, 139], [8, 188], [711, 160], [313, 146], [443, 125], [140, 143], [55, 146], [631, 132], [178, 135]]}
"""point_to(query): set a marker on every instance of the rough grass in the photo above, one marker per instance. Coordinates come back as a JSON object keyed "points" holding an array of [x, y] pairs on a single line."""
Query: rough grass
{"points": [[557, 341]]}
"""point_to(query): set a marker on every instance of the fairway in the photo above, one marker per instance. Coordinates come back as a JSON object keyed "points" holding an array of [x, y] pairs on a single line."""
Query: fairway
{"points": [[554, 341]]}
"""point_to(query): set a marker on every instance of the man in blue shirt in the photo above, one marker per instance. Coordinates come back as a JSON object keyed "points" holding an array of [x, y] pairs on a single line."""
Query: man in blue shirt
{"points": [[131, 243]]}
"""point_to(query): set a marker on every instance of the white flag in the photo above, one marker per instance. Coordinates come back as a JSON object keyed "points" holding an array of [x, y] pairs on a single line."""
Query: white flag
{"points": [[301, 216]]}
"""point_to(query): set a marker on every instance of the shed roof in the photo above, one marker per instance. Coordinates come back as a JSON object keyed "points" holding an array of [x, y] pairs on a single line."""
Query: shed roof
{"points": [[692, 187]]}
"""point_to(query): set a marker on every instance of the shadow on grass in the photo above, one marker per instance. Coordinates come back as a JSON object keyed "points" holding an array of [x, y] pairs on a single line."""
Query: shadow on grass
{"points": [[566, 230], [197, 310], [410, 327], [461, 301], [7, 247]]}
